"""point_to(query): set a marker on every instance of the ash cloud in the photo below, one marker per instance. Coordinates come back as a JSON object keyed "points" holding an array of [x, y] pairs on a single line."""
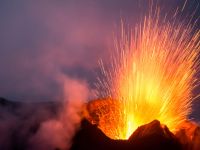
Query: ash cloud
{"points": [[40, 39]]}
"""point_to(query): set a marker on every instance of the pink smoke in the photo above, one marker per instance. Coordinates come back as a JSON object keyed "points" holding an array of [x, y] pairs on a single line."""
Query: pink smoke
{"points": [[58, 133]]}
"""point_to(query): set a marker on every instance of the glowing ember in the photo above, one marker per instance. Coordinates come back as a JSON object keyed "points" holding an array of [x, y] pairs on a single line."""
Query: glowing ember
{"points": [[152, 77]]}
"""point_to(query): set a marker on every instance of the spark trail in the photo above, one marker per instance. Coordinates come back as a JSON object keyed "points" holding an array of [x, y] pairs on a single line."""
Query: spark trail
{"points": [[152, 77]]}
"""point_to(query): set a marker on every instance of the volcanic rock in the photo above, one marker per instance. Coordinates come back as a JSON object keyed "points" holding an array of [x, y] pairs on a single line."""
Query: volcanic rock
{"points": [[155, 136], [189, 136], [149, 136]]}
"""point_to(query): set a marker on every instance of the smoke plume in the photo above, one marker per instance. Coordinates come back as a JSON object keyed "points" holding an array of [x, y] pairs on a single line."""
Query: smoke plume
{"points": [[51, 130]]}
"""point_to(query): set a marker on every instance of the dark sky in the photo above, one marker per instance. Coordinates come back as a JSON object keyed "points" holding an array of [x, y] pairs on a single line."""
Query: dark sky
{"points": [[41, 40]]}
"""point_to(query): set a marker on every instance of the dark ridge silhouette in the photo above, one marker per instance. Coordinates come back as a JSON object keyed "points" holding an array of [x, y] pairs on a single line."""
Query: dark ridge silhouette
{"points": [[149, 136]]}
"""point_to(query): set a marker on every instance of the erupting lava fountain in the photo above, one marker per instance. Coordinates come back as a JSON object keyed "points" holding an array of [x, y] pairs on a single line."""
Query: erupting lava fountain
{"points": [[152, 77]]}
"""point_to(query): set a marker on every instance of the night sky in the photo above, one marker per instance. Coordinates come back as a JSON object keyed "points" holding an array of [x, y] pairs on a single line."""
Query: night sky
{"points": [[40, 41]]}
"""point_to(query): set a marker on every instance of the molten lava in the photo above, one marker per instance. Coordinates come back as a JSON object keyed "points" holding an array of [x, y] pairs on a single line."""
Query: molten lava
{"points": [[152, 77]]}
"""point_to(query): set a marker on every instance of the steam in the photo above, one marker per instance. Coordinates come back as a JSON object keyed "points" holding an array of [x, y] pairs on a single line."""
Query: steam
{"points": [[54, 131], [58, 133]]}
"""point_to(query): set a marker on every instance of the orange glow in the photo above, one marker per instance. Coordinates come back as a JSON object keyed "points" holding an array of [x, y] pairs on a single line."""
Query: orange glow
{"points": [[152, 77]]}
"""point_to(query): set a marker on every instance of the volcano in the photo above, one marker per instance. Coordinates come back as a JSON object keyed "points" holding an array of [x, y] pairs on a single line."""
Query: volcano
{"points": [[150, 136], [102, 117]]}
